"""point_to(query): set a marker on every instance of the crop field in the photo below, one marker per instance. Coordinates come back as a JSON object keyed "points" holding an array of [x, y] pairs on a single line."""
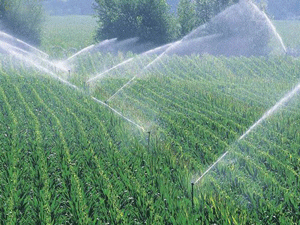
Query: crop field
{"points": [[124, 146]]}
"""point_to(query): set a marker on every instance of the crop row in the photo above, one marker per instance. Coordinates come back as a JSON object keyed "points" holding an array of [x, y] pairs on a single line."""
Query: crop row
{"points": [[72, 160]]}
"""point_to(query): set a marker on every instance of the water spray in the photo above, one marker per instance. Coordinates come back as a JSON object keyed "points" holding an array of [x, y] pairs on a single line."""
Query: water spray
{"points": [[37, 66], [124, 86], [200, 178], [6, 36], [90, 48], [81, 51], [152, 51], [20, 57], [270, 112], [273, 28], [105, 72], [118, 113], [11, 48], [210, 168], [280, 103], [145, 68]]}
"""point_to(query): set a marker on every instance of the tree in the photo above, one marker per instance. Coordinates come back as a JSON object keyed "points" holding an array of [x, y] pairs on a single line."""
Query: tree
{"points": [[206, 9], [186, 13], [150, 20], [22, 18]]}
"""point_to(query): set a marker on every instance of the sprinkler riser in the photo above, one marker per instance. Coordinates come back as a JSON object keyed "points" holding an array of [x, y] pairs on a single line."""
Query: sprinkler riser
{"points": [[193, 194]]}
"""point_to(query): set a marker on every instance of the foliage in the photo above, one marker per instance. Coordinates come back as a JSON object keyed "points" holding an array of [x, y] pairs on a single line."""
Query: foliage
{"points": [[194, 13], [151, 20], [206, 9], [186, 13], [23, 18], [148, 20]]}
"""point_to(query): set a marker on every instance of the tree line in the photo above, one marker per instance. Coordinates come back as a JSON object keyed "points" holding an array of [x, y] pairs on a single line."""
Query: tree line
{"points": [[150, 20]]}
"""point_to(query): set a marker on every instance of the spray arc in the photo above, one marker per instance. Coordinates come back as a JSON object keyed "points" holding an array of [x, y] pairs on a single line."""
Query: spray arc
{"points": [[265, 116]]}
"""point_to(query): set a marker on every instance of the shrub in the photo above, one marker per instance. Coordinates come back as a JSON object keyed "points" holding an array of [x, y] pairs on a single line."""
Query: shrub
{"points": [[22, 18]]}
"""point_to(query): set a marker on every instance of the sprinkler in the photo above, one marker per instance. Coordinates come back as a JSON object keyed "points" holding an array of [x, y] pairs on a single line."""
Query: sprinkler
{"points": [[200, 178], [149, 135], [118, 113], [69, 74], [88, 88], [193, 194]]}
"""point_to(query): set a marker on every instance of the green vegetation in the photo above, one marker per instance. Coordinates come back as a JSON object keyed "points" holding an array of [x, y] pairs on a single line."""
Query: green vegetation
{"points": [[152, 20], [59, 34], [148, 20], [22, 18], [186, 16], [206, 10], [64, 158], [68, 159]]}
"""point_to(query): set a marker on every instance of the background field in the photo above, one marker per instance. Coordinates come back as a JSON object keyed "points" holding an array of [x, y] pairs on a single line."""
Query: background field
{"points": [[65, 35], [66, 158]]}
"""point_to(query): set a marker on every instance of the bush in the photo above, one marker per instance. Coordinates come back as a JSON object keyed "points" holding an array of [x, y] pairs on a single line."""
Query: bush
{"points": [[22, 18], [150, 20]]}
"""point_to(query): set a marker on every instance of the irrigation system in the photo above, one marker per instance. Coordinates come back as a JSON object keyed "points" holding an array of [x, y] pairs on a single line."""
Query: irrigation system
{"points": [[266, 115], [200, 178], [36, 61]]}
